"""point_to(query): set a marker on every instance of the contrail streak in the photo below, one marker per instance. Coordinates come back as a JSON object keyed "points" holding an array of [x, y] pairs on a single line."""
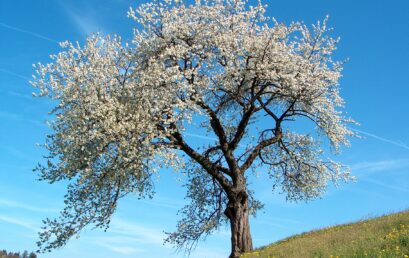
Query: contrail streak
{"points": [[200, 136], [4, 25], [15, 74], [399, 144]]}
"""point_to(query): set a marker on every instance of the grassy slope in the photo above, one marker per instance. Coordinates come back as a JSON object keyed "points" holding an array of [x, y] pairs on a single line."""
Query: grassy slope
{"points": [[386, 236]]}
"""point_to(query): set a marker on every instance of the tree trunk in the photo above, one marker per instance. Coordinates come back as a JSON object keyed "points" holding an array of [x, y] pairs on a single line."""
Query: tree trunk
{"points": [[238, 213]]}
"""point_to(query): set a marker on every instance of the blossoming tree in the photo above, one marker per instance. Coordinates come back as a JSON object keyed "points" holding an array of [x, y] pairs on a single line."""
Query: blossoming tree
{"points": [[122, 111]]}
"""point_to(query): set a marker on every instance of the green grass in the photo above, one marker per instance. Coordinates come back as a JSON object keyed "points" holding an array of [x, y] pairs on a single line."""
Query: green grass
{"points": [[384, 237]]}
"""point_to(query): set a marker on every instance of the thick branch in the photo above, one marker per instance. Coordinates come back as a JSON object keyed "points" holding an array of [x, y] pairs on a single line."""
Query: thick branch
{"points": [[256, 151], [241, 128], [214, 122], [219, 131], [266, 109], [247, 113], [210, 167]]}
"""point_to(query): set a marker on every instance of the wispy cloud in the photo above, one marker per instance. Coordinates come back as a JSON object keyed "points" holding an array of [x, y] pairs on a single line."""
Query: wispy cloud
{"points": [[366, 171], [27, 32], [16, 167], [139, 232], [25, 206], [380, 165], [85, 23], [20, 95], [396, 143], [17, 153], [124, 249], [84, 19], [163, 201], [121, 245], [19, 222], [25, 78], [19, 118], [361, 191], [385, 185], [160, 204], [126, 237]]}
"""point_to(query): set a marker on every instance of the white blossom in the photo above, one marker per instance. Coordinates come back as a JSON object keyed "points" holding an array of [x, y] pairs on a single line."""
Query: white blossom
{"points": [[122, 108]]}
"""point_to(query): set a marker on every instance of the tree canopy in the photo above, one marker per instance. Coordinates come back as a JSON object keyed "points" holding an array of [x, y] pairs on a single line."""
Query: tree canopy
{"points": [[123, 109]]}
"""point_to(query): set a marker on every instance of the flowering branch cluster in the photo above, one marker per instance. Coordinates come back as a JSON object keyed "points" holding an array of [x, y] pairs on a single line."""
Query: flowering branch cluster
{"points": [[122, 109]]}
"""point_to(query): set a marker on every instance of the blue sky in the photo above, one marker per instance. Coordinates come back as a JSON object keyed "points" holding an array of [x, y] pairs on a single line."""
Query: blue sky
{"points": [[374, 36]]}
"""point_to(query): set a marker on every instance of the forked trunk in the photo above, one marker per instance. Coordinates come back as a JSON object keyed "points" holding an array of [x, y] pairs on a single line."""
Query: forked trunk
{"points": [[238, 213]]}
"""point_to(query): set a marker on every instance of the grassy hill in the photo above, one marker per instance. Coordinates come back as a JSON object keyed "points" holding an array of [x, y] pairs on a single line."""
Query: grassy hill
{"points": [[386, 237]]}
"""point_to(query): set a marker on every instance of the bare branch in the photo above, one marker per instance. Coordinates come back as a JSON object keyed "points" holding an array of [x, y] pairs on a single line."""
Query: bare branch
{"points": [[256, 151]]}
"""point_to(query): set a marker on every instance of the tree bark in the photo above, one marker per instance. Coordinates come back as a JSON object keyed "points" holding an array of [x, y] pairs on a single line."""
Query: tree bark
{"points": [[238, 213]]}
